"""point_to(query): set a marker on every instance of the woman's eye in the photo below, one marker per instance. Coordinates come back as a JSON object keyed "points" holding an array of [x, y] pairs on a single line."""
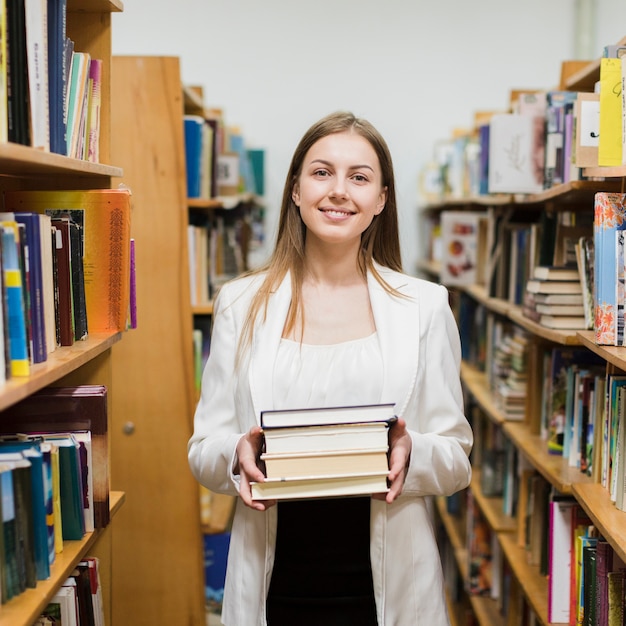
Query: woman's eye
{"points": [[360, 178], [321, 173]]}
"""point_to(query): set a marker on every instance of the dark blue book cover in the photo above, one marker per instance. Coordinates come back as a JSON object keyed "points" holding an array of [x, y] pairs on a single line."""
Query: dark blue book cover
{"points": [[35, 285], [57, 15], [193, 153]]}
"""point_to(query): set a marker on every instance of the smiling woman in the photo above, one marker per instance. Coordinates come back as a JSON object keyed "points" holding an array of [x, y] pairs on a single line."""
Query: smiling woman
{"points": [[332, 321], [340, 185]]}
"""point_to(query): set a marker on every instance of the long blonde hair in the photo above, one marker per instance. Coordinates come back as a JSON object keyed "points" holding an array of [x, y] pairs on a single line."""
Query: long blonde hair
{"points": [[380, 241]]}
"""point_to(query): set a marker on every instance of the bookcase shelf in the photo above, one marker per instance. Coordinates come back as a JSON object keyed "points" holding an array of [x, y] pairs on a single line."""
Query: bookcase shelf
{"points": [[484, 608], [85, 362], [25, 162], [60, 363], [25, 608], [534, 585], [507, 211], [491, 507]]}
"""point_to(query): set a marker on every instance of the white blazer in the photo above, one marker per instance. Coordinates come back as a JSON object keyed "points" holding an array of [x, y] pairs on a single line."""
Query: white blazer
{"points": [[421, 355]]}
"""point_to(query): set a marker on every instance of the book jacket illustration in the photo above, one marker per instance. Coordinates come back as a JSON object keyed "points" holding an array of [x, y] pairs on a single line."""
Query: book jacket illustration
{"points": [[459, 237], [609, 218]]}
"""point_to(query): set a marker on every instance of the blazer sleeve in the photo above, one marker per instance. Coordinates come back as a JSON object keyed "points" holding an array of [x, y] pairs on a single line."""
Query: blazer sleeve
{"points": [[442, 437], [211, 448]]}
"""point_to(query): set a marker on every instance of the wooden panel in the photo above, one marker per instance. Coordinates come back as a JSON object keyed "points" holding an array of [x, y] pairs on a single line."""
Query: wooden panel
{"points": [[157, 547]]}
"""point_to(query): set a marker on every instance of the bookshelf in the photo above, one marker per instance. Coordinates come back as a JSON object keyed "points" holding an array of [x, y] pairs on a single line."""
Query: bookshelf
{"points": [[212, 262], [524, 435], [157, 542], [86, 362]]}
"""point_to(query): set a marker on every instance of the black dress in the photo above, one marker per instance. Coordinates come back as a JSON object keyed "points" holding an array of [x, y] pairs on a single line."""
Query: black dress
{"points": [[322, 573]]}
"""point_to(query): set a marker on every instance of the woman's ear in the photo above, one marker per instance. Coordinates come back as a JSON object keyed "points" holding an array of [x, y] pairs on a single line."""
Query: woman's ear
{"points": [[382, 199], [295, 195]]}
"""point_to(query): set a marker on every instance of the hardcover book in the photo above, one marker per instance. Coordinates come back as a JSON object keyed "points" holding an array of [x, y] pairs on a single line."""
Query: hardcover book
{"points": [[460, 247], [14, 296], [609, 218], [325, 416], [320, 487], [33, 252], [105, 217], [66, 410], [512, 151]]}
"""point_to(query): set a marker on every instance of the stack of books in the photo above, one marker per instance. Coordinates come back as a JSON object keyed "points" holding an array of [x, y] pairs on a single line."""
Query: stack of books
{"points": [[554, 298], [325, 452]]}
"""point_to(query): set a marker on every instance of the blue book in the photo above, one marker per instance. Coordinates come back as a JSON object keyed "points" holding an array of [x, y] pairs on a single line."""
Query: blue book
{"points": [[194, 125], [609, 218], [10, 580], [14, 295], [31, 450], [57, 19], [33, 254]]}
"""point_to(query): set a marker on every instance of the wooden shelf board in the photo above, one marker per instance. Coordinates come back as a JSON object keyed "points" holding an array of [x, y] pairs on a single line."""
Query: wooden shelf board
{"points": [[553, 467], [95, 6], [222, 202], [454, 529], [618, 171], [491, 507], [575, 191], [476, 383], [613, 354], [24, 161], [563, 337], [26, 608], [534, 585], [486, 611], [61, 362], [479, 293], [610, 521], [202, 309]]}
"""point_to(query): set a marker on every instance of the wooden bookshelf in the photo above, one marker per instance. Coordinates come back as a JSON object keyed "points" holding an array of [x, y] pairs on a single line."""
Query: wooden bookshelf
{"points": [[158, 555], [574, 196], [85, 362]]}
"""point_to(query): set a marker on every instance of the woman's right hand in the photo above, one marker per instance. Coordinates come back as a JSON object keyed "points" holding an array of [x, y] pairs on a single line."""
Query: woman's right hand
{"points": [[249, 454]]}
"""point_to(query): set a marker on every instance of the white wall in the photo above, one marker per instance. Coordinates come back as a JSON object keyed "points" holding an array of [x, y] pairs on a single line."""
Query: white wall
{"points": [[415, 69]]}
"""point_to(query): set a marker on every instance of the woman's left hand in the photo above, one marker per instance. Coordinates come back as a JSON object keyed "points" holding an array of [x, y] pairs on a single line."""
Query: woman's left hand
{"points": [[400, 446]]}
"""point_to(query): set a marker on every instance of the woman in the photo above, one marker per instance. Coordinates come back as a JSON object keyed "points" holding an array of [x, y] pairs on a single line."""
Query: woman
{"points": [[332, 321]]}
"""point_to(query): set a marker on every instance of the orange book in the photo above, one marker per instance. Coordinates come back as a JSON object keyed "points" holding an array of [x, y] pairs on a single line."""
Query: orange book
{"points": [[105, 216]]}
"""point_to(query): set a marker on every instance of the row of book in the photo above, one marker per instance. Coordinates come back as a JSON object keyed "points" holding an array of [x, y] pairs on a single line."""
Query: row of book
{"points": [[546, 138], [78, 602], [566, 270], [585, 574], [586, 577], [50, 93], [67, 264], [577, 409], [54, 483], [217, 161]]}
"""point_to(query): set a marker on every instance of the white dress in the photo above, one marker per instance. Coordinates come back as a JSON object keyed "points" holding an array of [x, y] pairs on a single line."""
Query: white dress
{"points": [[326, 580], [341, 374]]}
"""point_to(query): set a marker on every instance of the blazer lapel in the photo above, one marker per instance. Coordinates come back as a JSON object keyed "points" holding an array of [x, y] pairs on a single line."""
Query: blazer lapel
{"points": [[267, 338], [397, 325]]}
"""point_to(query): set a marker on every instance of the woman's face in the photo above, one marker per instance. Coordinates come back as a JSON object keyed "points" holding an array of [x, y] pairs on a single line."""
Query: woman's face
{"points": [[340, 188]]}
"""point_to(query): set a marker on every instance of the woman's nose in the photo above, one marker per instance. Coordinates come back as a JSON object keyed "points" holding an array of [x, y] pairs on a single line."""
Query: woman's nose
{"points": [[338, 190]]}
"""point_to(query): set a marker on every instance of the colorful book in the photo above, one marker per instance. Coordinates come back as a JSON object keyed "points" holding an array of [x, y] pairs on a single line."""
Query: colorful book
{"points": [[105, 216], [15, 303], [31, 450], [609, 217], [34, 254], [64, 410], [57, 21]]}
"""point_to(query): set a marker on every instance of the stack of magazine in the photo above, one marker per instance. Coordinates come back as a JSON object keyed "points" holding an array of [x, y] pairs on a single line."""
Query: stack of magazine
{"points": [[325, 452]]}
